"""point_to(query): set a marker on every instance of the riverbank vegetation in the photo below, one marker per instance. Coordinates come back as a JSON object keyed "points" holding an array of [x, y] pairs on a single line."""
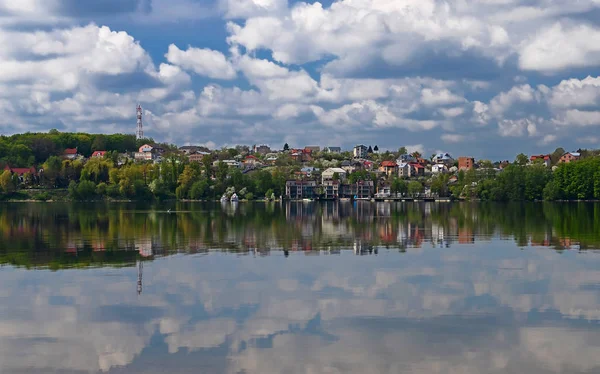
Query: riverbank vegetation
{"points": [[117, 176]]}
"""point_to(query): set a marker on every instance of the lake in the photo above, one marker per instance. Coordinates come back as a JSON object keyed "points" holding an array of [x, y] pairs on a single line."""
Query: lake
{"points": [[300, 288]]}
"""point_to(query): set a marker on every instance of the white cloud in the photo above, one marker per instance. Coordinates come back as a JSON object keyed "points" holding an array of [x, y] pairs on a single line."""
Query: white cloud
{"points": [[431, 97], [576, 117], [453, 138], [559, 47], [517, 128], [252, 8], [202, 61]]}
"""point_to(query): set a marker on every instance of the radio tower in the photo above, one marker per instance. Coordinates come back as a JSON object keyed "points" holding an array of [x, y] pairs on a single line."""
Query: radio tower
{"points": [[140, 128]]}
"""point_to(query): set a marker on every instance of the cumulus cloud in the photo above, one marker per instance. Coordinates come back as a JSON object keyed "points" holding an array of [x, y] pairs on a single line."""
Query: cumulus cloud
{"points": [[202, 61], [559, 47]]}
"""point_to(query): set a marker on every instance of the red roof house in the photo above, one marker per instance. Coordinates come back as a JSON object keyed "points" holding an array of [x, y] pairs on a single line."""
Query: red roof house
{"points": [[99, 154], [21, 171]]}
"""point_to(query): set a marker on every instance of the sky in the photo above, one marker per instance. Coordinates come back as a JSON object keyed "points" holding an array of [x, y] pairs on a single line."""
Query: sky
{"points": [[482, 78]]}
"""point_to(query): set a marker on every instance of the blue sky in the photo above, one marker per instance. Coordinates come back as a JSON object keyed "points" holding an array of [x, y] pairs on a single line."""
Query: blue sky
{"points": [[487, 78]]}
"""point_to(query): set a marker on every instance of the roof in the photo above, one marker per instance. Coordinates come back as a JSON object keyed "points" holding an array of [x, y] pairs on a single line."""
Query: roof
{"points": [[389, 164], [346, 163], [71, 151], [416, 165], [576, 154], [98, 153], [545, 157], [20, 171], [334, 148], [335, 170], [251, 157]]}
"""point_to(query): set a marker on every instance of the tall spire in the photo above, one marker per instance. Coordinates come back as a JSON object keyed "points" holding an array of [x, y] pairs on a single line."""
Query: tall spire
{"points": [[140, 128]]}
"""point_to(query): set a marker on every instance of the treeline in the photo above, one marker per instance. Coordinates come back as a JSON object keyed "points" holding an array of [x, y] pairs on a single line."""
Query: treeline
{"points": [[170, 179], [578, 180], [29, 149]]}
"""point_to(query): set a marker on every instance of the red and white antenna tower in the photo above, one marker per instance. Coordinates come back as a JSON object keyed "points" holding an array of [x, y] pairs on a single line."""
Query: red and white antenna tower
{"points": [[139, 134]]}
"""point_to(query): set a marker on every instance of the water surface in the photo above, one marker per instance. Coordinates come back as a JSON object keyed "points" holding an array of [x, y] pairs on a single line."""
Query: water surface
{"points": [[300, 288]]}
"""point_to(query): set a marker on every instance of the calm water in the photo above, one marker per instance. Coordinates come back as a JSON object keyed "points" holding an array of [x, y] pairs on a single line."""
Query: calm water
{"points": [[300, 288]]}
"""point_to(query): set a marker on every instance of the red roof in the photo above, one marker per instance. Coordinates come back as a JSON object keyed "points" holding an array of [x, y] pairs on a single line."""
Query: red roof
{"points": [[20, 171], [98, 153], [250, 157], [545, 157], [389, 164], [417, 166], [71, 151]]}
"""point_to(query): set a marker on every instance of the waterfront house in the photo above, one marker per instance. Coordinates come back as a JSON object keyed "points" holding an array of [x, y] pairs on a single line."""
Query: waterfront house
{"points": [[300, 189], [569, 157], [331, 189]]}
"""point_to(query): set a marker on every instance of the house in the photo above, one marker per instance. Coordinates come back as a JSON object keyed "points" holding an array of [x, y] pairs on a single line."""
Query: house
{"points": [[417, 169], [406, 158], [230, 163], [360, 151], [544, 159], [271, 158], [336, 150], [300, 189], [384, 192], [404, 170], [145, 153], [389, 168], [569, 157], [331, 189], [312, 148], [261, 149], [362, 189], [443, 158], [98, 154], [198, 156], [439, 168], [466, 163], [191, 149], [301, 155], [20, 172], [328, 174], [251, 161], [367, 165], [70, 153]]}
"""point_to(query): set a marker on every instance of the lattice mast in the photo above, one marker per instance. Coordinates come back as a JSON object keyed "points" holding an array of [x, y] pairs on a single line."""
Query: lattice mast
{"points": [[139, 134]]}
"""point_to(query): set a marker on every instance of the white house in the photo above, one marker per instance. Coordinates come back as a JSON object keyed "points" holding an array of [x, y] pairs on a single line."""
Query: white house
{"points": [[439, 168], [145, 153], [404, 170], [443, 158], [329, 173], [333, 149]]}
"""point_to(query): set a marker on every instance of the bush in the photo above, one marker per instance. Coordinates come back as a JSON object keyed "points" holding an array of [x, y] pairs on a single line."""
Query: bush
{"points": [[249, 196], [86, 190], [101, 189], [43, 196]]}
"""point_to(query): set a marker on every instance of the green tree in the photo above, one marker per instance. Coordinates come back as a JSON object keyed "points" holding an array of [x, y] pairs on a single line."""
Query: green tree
{"points": [[286, 147], [7, 182], [402, 151], [414, 188], [521, 159]]}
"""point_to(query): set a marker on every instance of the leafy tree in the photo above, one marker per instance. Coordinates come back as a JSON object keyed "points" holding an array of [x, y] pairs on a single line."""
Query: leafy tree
{"points": [[402, 151], [414, 188], [521, 159], [399, 186], [7, 182], [556, 155], [52, 168]]}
